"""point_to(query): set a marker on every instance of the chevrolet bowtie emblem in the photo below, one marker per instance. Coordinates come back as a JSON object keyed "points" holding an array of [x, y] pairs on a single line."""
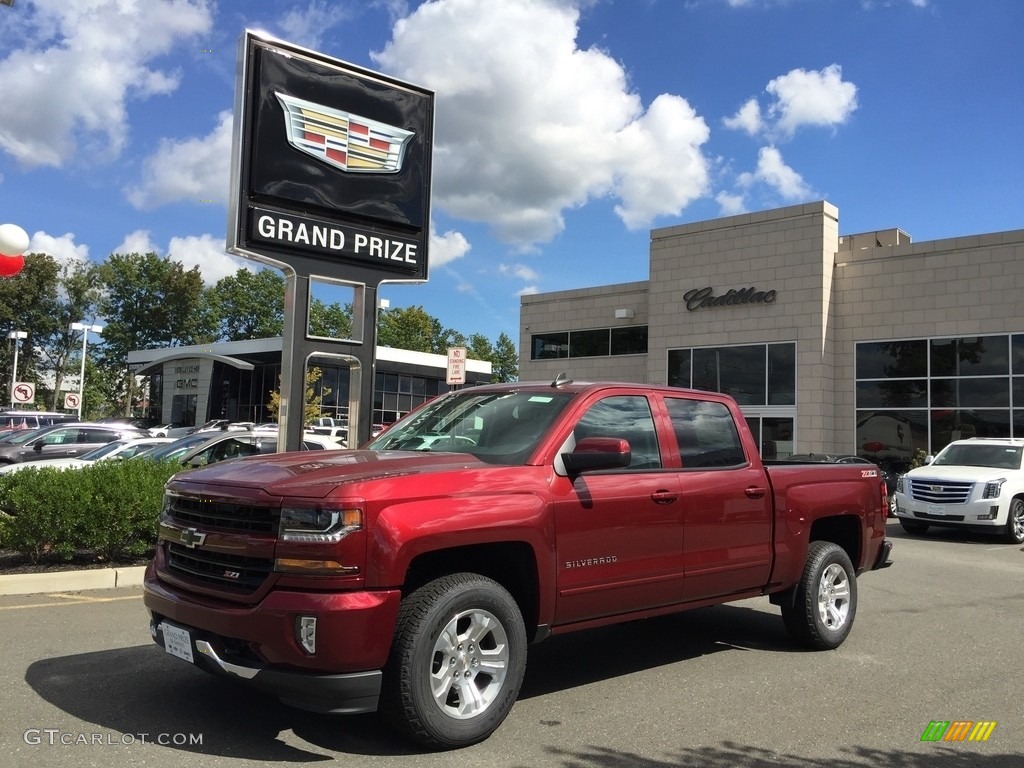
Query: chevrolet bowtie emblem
{"points": [[192, 538], [341, 139]]}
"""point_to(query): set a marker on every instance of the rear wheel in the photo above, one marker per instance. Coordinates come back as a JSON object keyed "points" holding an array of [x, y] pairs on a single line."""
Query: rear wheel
{"points": [[457, 661], [913, 526], [823, 605], [1014, 533]]}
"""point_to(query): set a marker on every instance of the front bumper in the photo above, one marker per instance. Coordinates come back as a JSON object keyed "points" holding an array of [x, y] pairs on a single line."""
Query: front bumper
{"points": [[985, 514], [258, 644], [351, 693]]}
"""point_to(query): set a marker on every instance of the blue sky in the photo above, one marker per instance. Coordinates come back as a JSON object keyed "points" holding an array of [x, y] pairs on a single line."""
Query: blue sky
{"points": [[565, 130]]}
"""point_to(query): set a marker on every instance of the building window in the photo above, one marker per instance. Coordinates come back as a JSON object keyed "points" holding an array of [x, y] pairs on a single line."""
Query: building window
{"points": [[753, 374], [629, 340], [546, 346], [595, 342], [918, 395]]}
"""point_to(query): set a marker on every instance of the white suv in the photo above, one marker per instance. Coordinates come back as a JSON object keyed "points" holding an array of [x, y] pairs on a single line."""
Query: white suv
{"points": [[976, 484]]}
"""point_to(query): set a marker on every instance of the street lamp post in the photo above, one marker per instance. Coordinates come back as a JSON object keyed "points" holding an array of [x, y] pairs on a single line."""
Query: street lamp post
{"points": [[84, 328], [17, 336]]}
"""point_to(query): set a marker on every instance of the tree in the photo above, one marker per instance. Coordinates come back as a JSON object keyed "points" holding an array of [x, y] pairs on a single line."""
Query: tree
{"points": [[312, 403], [505, 363], [248, 305], [149, 302], [413, 329], [330, 320], [29, 303], [60, 348]]}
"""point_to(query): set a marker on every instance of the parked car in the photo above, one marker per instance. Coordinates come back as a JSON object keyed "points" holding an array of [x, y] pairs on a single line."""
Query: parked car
{"points": [[172, 429], [117, 449], [15, 419], [141, 422], [975, 484], [203, 448], [62, 440]]}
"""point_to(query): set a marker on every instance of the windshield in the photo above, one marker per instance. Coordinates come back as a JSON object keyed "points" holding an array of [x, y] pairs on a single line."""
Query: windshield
{"points": [[177, 448], [499, 428], [103, 450], [966, 455], [25, 435]]}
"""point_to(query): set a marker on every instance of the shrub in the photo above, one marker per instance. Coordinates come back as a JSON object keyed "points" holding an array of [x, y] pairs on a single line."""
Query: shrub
{"points": [[109, 508]]}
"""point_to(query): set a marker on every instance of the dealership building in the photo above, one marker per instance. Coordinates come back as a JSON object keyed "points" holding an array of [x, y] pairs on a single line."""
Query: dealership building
{"points": [[867, 343], [233, 380]]}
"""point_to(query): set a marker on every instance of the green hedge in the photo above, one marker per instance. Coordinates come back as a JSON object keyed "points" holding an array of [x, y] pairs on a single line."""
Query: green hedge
{"points": [[108, 508]]}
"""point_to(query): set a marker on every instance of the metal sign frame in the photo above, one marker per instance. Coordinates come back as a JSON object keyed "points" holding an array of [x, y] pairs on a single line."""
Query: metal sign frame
{"points": [[330, 178]]}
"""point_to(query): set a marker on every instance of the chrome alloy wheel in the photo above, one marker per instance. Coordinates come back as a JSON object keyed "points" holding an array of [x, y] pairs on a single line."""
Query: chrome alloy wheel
{"points": [[469, 664], [1017, 520], [834, 597]]}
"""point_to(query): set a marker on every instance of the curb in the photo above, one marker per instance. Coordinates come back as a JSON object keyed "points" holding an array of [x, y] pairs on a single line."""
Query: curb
{"points": [[71, 581]]}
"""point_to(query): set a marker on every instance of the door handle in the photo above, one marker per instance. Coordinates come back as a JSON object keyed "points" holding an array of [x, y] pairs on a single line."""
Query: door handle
{"points": [[755, 492], [664, 497]]}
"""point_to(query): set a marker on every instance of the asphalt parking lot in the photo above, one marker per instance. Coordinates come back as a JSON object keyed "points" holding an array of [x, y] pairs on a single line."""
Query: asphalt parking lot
{"points": [[937, 638]]}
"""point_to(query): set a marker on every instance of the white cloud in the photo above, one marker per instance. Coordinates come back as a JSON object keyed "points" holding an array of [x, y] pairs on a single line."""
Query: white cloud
{"points": [[196, 170], [65, 91], [773, 171], [730, 205], [208, 253], [528, 124], [529, 290], [138, 241], [812, 98], [307, 26], [800, 98], [63, 249], [521, 271], [747, 118], [448, 247]]}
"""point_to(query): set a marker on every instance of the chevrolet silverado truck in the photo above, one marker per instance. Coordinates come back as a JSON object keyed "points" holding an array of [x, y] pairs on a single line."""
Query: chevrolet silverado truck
{"points": [[974, 484], [410, 576]]}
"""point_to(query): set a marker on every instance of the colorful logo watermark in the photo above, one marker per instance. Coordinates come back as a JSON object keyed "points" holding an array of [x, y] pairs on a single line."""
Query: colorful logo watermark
{"points": [[958, 730]]}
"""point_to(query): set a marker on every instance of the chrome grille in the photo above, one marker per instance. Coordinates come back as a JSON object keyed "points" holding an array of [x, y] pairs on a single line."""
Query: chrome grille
{"points": [[218, 568], [223, 515], [940, 491]]}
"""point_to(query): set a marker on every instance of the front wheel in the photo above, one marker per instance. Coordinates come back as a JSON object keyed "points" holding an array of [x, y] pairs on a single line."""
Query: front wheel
{"points": [[457, 661], [820, 611], [1014, 533]]}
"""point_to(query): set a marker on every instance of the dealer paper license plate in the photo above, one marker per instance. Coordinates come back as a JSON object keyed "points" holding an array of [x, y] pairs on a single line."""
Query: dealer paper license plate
{"points": [[177, 642], [936, 509]]}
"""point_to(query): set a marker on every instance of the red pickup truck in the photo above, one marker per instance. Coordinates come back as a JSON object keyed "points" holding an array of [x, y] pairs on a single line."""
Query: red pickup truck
{"points": [[410, 576]]}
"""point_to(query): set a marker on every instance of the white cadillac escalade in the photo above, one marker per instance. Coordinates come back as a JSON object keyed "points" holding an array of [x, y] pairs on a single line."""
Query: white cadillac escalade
{"points": [[976, 484]]}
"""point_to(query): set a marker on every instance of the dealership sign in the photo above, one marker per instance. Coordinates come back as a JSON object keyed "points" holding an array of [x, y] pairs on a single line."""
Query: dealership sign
{"points": [[702, 298], [331, 166]]}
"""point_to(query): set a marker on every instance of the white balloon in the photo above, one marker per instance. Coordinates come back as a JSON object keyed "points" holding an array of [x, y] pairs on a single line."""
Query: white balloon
{"points": [[13, 240]]}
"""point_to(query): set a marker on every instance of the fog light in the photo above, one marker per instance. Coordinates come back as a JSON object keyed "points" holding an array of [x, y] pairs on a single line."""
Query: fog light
{"points": [[305, 633], [993, 513]]}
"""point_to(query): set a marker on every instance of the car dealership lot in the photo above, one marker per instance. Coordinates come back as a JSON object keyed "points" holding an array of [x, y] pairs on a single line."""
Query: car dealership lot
{"points": [[937, 638]]}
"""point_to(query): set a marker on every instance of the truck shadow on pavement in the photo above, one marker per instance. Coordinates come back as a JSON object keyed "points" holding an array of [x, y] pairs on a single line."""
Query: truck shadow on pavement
{"points": [[140, 693]]}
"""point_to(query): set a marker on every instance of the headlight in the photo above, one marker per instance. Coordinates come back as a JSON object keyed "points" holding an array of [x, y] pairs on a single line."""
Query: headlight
{"points": [[899, 484], [993, 488], [317, 524]]}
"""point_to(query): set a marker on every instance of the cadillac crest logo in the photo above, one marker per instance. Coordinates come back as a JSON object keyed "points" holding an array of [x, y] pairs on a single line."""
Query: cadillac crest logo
{"points": [[349, 142]]}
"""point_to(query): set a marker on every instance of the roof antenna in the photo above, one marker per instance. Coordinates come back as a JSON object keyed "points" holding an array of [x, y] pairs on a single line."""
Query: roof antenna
{"points": [[561, 380]]}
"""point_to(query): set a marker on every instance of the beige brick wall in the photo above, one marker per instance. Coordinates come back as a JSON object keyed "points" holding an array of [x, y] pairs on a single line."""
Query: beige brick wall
{"points": [[828, 297]]}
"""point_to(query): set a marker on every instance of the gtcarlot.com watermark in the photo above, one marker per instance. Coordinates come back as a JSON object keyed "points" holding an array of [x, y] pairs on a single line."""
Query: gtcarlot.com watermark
{"points": [[55, 737]]}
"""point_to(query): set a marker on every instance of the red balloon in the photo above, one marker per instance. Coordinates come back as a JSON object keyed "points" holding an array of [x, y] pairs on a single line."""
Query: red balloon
{"points": [[11, 265]]}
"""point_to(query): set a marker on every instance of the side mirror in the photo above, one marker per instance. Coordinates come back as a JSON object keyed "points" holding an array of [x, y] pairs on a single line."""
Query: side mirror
{"points": [[597, 453], [929, 459]]}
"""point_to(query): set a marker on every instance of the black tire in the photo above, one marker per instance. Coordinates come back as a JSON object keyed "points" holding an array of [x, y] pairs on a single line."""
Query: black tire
{"points": [[471, 627], [1014, 533], [913, 526], [823, 605]]}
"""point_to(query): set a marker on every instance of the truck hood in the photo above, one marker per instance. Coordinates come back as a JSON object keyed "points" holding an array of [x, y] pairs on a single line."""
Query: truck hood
{"points": [[316, 474], [959, 474]]}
